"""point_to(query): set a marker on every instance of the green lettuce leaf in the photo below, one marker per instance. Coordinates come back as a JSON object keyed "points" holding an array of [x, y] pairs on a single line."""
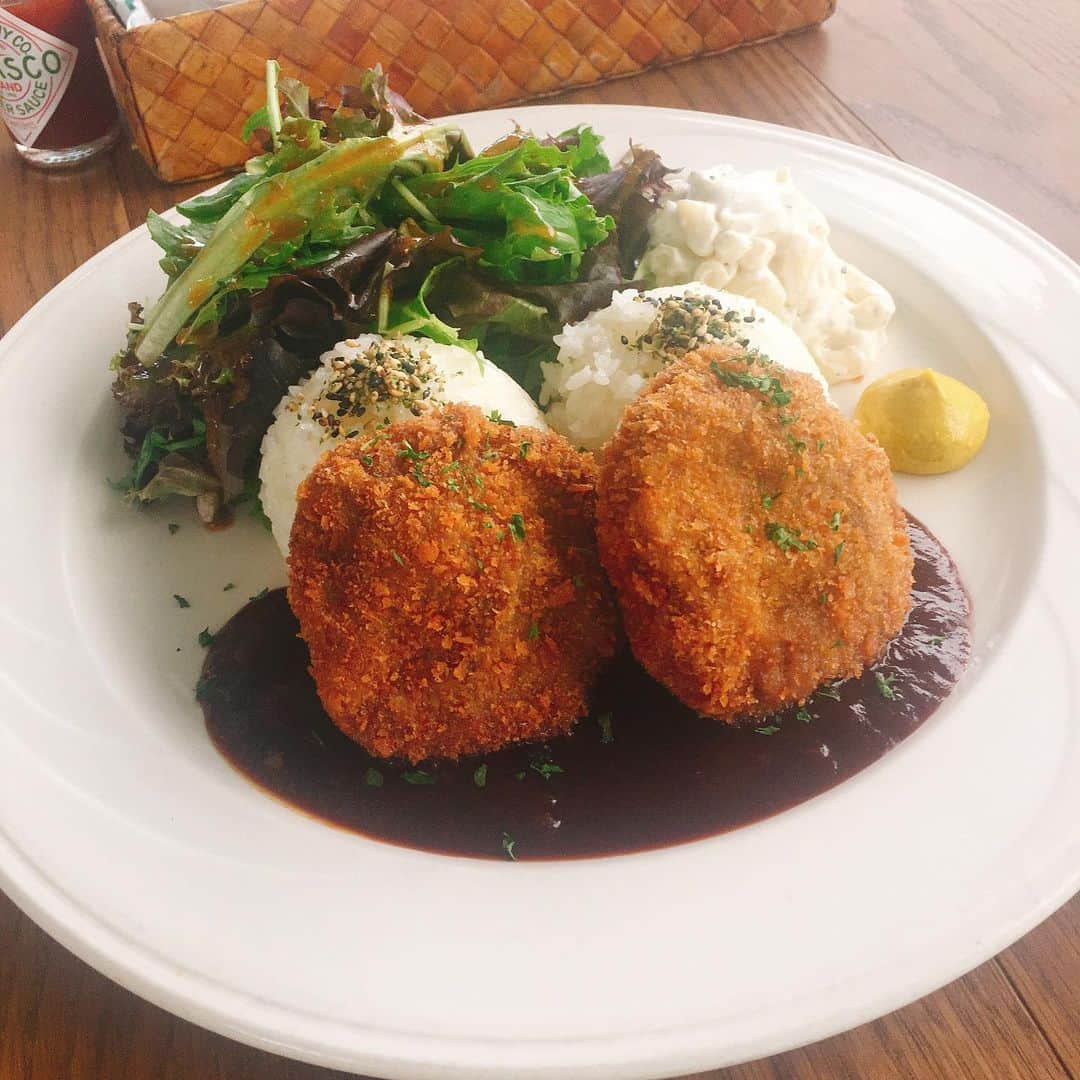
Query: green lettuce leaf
{"points": [[585, 148], [368, 108], [413, 316], [321, 203], [157, 445], [520, 207], [177, 474]]}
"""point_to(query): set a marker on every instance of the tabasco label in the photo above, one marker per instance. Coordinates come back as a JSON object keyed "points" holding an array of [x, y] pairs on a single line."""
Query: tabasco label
{"points": [[35, 69]]}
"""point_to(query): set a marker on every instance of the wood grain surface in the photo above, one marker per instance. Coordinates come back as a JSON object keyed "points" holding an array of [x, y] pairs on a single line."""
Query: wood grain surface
{"points": [[984, 93]]}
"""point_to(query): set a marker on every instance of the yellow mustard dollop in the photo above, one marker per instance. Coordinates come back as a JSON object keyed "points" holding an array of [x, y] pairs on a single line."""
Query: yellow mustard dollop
{"points": [[925, 421]]}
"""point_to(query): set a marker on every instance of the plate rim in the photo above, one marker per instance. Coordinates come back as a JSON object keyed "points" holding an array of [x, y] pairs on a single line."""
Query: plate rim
{"points": [[138, 968]]}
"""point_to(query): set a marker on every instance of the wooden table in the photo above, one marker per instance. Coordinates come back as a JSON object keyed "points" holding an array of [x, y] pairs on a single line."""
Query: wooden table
{"points": [[982, 92]]}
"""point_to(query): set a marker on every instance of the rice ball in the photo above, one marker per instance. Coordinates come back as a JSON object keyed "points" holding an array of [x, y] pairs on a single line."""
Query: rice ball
{"points": [[363, 384], [606, 359]]}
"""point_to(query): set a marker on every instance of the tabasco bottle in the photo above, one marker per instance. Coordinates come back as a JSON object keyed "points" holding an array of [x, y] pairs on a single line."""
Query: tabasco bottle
{"points": [[54, 97]]}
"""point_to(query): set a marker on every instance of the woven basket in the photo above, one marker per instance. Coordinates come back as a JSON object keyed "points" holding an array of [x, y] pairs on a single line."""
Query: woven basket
{"points": [[188, 83]]}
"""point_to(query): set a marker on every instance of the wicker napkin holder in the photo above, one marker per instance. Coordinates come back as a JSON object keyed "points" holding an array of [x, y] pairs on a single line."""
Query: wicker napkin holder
{"points": [[187, 83]]}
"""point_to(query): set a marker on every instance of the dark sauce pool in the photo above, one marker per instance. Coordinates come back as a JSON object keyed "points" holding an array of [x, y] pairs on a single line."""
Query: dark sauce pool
{"points": [[643, 772]]}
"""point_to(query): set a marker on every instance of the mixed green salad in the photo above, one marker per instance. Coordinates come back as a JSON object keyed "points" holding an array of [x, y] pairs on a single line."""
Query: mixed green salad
{"points": [[361, 217]]}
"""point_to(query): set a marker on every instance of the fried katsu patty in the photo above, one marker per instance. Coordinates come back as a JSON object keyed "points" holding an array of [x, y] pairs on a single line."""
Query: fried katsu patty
{"points": [[447, 583], [752, 534]]}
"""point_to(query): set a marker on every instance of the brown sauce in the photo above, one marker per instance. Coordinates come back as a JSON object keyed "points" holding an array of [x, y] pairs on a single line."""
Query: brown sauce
{"points": [[665, 777]]}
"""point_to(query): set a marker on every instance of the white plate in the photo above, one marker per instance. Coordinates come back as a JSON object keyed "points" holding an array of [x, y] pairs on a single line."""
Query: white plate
{"points": [[127, 837]]}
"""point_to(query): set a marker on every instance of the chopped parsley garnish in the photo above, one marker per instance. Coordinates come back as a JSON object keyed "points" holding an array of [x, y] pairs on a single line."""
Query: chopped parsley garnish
{"points": [[829, 692], [524, 448], [834, 521], [541, 763], [768, 729], [820, 445], [417, 776], [410, 452], [804, 716], [508, 843], [477, 505], [603, 722], [397, 558], [822, 598], [788, 539], [768, 385], [373, 778], [785, 419], [173, 528], [182, 601], [419, 477], [497, 417], [367, 460], [205, 637], [533, 632], [547, 769], [837, 552], [579, 581], [767, 500], [520, 775], [885, 686], [797, 445], [479, 776], [937, 639], [517, 527]]}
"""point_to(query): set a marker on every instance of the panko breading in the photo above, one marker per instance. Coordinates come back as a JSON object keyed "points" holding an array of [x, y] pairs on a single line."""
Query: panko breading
{"points": [[447, 583], [752, 534]]}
